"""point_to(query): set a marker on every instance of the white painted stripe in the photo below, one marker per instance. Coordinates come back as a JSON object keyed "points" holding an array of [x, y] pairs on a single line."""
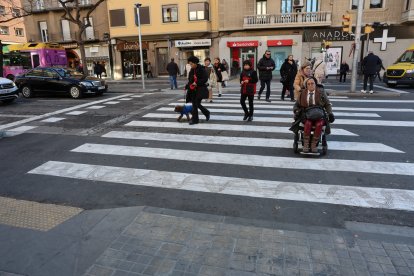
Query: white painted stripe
{"points": [[137, 96], [53, 120], [125, 99], [227, 127], [279, 112], [244, 141], [215, 101], [393, 199], [290, 120], [335, 108], [111, 102], [237, 99], [96, 107], [21, 129], [391, 89], [39, 117], [372, 101], [337, 165], [15, 116], [76, 113], [237, 96]]}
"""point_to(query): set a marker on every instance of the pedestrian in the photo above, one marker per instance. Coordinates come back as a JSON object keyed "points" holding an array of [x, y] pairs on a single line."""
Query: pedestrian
{"points": [[97, 69], [103, 66], [265, 66], [248, 80], [212, 78], [187, 69], [379, 67], [173, 71], [304, 73], [343, 70], [197, 87], [370, 64], [219, 69], [319, 69], [149, 70], [288, 72], [226, 66]]}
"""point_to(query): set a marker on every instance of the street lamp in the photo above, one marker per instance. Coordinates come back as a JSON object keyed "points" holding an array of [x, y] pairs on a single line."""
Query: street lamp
{"points": [[137, 5]]}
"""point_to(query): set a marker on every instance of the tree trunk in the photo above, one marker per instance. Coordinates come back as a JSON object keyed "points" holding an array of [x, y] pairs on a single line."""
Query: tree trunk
{"points": [[83, 53]]}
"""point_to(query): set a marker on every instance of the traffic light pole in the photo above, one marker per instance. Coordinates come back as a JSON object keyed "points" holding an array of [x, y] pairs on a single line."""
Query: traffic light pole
{"points": [[357, 46]]}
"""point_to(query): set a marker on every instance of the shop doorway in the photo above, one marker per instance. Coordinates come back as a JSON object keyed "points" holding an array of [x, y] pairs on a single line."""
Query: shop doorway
{"points": [[131, 63], [279, 54], [249, 56], [162, 61]]}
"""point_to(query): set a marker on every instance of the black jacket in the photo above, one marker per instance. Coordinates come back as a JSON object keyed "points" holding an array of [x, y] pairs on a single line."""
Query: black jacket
{"points": [[370, 64], [218, 72], [202, 79], [172, 69], [344, 68], [289, 71], [250, 87], [264, 73]]}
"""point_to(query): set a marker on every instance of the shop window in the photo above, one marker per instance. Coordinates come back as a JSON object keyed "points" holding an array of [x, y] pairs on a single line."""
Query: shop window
{"points": [[261, 7], [286, 6], [312, 5], [144, 15], [15, 12], [198, 11], [354, 4], [170, 13], [117, 18], [4, 30], [2, 10], [375, 4], [19, 32]]}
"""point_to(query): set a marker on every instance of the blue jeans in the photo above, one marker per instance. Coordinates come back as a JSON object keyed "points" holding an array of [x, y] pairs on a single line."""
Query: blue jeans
{"points": [[173, 82]]}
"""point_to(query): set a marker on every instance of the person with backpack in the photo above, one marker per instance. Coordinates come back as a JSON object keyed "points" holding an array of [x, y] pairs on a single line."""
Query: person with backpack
{"points": [[248, 80]]}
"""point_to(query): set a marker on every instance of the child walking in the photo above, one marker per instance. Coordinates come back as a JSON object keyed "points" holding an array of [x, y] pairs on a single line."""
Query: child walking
{"points": [[248, 80]]}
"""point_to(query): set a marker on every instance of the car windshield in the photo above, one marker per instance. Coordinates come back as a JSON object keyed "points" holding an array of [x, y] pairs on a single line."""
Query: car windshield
{"points": [[67, 72], [408, 56]]}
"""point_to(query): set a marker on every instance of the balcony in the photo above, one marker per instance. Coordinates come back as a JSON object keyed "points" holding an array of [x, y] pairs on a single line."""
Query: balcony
{"points": [[287, 20], [59, 38], [407, 16], [41, 7]]}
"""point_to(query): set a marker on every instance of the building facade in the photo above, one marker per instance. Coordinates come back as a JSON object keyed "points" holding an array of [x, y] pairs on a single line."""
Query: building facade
{"points": [[45, 24], [12, 29], [170, 29]]}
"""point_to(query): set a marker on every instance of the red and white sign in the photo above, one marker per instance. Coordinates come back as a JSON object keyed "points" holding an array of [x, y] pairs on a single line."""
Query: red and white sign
{"points": [[242, 44], [280, 42]]}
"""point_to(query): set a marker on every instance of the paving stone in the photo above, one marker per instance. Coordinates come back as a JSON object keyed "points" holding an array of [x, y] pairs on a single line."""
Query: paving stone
{"points": [[125, 265], [124, 273], [96, 270], [403, 270], [402, 247], [138, 268], [393, 254], [388, 269], [384, 260], [374, 267], [212, 271], [398, 261]]}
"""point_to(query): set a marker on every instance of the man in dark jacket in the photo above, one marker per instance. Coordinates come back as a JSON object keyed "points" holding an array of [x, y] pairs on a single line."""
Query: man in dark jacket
{"points": [[370, 64], [173, 71], [343, 70], [288, 73], [265, 66]]}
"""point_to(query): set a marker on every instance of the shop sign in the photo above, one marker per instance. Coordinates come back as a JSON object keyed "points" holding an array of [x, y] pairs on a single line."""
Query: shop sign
{"points": [[280, 42], [131, 46], [242, 44], [326, 34], [192, 43]]}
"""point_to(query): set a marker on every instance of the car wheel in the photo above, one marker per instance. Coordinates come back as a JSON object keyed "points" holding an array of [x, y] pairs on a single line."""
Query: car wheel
{"points": [[8, 101], [392, 85], [27, 92], [75, 92], [10, 77]]}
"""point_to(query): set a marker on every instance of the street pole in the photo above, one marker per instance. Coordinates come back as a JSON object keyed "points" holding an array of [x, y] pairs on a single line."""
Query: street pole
{"points": [[140, 47], [357, 46], [1, 59]]}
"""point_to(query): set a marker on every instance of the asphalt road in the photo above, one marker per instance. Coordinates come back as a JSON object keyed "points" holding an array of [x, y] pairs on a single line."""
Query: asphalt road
{"points": [[126, 149]]}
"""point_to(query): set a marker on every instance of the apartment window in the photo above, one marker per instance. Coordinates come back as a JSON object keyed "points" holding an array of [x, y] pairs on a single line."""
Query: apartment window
{"points": [[18, 32], [407, 5], [85, 2], [286, 6], [198, 11], [89, 32], [375, 4], [40, 5], [117, 18], [4, 30], [2, 10], [43, 31], [170, 13], [261, 7], [66, 30], [354, 5], [312, 5], [144, 15], [16, 12]]}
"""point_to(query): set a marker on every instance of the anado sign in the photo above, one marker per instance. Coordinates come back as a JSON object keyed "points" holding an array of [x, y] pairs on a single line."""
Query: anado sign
{"points": [[193, 43]]}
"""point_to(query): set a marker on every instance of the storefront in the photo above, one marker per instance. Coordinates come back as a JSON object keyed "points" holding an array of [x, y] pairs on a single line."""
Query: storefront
{"points": [[196, 47], [280, 50], [130, 56], [241, 51]]}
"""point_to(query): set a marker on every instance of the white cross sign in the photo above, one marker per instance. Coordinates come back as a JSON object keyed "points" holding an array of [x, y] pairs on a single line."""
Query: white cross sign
{"points": [[384, 39]]}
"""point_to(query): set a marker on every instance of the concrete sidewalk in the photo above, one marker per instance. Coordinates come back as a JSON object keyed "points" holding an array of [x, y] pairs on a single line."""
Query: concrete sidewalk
{"points": [[153, 241]]}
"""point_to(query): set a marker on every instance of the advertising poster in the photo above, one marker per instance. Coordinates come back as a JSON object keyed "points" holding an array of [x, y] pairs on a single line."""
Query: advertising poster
{"points": [[333, 59]]}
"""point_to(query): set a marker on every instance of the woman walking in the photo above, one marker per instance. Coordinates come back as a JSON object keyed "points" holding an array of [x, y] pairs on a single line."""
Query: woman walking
{"points": [[219, 68], [248, 80], [304, 73], [288, 73], [212, 79]]}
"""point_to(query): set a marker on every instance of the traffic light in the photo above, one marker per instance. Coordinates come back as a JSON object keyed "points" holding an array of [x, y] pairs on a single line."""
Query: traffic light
{"points": [[323, 46], [327, 44], [368, 29], [347, 23]]}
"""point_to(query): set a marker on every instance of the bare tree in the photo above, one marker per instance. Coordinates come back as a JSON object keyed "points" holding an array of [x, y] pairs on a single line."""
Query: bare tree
{"points": [[15, 10], [79, 14]]}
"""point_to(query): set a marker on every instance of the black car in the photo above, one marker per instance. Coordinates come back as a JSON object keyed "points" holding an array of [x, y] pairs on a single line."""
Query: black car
{"points": [[59, 80]]}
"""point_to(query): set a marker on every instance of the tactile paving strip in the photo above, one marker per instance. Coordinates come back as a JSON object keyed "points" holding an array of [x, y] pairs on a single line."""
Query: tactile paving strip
{"points": [[34, 215]]}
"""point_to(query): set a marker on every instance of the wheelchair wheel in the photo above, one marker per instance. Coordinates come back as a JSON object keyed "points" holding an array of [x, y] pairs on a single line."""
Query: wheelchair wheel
{"points": [[324, 145], [295, 143]]}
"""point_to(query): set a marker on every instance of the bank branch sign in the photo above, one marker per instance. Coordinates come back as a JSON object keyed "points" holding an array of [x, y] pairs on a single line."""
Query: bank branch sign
{"points": [[192, 43], [242, 44]]}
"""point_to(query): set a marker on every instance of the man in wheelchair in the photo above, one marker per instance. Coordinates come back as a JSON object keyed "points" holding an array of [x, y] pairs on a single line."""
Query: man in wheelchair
{"points": [[314, 110]]}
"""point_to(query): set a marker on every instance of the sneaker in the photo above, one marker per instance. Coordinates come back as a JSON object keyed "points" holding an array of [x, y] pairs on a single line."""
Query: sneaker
{"points": [[363, 91], [250, 118], [268, 100], [208, 117], [219, 95], [258, 97], [245, 116], [371, 91]]}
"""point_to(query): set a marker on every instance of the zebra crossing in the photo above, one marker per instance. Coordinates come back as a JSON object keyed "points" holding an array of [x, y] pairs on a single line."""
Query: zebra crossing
{"points": [[227, 141]]}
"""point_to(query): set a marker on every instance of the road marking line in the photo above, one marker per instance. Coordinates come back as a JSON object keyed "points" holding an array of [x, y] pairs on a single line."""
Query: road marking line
{"points": [[372, 101], [244, 141], [137, 96], [15, 116], [76, 113], [111, 102], [96, 107], [393, 199], [18, 130], [39, 117], [227, 127], [391, 89], [237, 96], [53, 120], [336, 165], [125, 99], [335, 108], [236, 100]]}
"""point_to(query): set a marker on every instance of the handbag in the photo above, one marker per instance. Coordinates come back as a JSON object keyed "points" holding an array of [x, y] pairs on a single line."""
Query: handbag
{"points": [[314, 113], [212, 79], [224, 76], [283, 79]]}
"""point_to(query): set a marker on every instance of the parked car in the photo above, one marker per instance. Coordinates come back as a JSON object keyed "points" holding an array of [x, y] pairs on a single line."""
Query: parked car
{"points": [[59, 80], [8, 90]]}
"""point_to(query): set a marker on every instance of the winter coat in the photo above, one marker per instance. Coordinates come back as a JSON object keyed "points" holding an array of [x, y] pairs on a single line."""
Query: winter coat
{"points": [[321, 99], [344, 68], [202, 79], [288, 71], [172, 69], [319, 70], [370, 64], [264, 63], [298, 84], [218, 69], [250, 87]]}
